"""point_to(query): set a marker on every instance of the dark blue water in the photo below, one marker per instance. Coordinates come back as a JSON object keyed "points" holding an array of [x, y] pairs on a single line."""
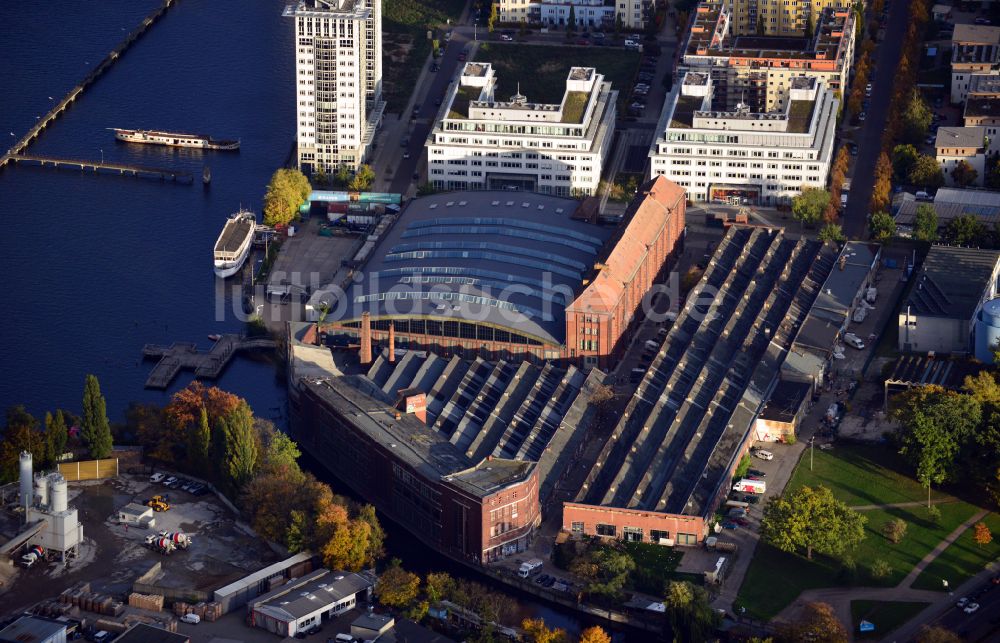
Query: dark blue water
{"points": [[96, 266]]}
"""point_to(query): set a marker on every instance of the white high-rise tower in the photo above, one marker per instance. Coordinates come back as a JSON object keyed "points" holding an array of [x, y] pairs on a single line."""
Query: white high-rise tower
{"points": [[338, 80]]}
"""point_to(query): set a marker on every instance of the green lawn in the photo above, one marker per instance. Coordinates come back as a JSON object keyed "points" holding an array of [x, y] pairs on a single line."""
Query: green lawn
{"points": [[885, 615], [859, 475], [655, 565], [541, 70], [405, 46], [962, 560]]}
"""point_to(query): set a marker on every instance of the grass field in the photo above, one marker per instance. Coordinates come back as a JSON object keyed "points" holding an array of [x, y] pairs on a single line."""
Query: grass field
{"points": [[655, 565], [962, 560], [541, 70], [885, 615], [405, 44], [860, 475]]}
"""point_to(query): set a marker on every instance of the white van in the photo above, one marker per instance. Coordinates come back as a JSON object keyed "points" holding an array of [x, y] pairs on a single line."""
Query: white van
{"points": [[193, 619], [854, 341], [344, 638], [922, 196], [529, 568]]}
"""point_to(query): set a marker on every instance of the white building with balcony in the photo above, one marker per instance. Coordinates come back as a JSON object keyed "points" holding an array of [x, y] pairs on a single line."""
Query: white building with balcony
{"points": [[338, 80], [588, 14], [742, 157], [482, 143]]}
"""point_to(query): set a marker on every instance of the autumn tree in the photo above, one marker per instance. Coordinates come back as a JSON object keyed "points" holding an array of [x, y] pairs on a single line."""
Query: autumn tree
{"points": [[536, 632], [963, 174], [882, 189], [363, 178], [595, 634], [925, 223], [832, 232], [439, 586], [817, 623], [811, 519], [95, 429], [287, 190], [915, 119], [397, 587], [937, 634], [605, 569], [808, 206], [20, 434], [983, 536], [894, 529]]}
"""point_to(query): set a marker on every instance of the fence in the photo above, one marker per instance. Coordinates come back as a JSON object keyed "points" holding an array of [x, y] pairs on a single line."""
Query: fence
{"points": [[89, 469]]}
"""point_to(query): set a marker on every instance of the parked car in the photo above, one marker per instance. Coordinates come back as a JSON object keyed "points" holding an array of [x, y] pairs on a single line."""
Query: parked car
{"points": [[169, 482], [764, 455], [541, 579], [982, 21], [406, 155], [862, 116], [756, 472], [506, 38], [742, 522], [854, 341], [447, 36], [729, 524], [599, 35], [156, 477], [194, 619], [751, 498], [971, 608]]}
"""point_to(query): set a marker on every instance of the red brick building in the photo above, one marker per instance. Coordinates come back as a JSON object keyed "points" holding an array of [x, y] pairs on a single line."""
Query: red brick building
{"points": [[600, 318], [512, 276]]}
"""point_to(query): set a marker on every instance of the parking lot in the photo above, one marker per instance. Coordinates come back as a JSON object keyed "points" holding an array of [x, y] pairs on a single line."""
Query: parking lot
{"points": [[112, 556]]}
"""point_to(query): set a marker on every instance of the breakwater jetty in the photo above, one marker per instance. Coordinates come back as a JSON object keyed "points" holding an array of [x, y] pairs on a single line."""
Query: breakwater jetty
{"points": [[141, 171], [22, 143], [205, 364]]}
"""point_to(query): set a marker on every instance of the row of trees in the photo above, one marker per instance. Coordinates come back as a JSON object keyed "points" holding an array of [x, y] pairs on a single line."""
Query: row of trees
{"points": [[952, 436], [357, 181], [60, 432], [210, 433]]}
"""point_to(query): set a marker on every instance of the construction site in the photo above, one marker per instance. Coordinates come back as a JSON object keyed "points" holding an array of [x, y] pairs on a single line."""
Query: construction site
{"points": [[121, 561]]}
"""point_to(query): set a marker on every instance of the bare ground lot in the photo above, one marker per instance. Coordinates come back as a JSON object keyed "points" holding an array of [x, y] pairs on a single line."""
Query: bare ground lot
{"points": [[112, 558]]}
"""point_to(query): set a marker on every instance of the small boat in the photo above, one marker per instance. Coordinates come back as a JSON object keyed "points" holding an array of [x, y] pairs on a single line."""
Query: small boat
{"points": [[206, 175], [234, 243], [215, 337], [175, 139]]}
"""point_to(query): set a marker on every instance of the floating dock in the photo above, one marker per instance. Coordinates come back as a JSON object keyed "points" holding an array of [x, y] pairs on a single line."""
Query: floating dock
{"points": [[206, 365], [140, 171], [22, 143]]}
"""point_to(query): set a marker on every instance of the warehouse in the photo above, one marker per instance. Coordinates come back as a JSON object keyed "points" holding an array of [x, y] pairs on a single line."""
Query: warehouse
{"points": [[305, 602], [666, 466], [503, 275]]}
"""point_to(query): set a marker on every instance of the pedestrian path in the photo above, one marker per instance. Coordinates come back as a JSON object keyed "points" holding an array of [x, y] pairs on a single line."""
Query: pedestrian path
{"points": [[905, 505]]}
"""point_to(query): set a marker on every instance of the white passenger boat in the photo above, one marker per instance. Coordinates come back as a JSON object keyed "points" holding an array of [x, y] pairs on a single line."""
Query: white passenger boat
{"points": [[234, 243]]}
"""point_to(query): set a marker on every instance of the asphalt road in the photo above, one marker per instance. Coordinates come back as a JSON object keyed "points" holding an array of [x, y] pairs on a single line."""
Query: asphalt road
{"points": [[855, 217], [984, 624]]}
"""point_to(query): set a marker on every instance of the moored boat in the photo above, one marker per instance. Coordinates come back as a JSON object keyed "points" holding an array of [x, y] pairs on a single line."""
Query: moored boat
{"points": [[175, 139], [234, 242]]}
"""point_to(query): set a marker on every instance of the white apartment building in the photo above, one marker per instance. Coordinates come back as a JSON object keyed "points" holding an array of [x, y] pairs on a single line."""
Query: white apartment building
{"points": [[338, 78], [975, 51], [742, 157], [955, 144], [482, 143], [590, 14]]}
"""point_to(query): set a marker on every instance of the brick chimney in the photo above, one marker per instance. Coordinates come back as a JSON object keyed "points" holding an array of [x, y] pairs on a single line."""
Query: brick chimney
{"points": [[366, 338], [392, 343]]}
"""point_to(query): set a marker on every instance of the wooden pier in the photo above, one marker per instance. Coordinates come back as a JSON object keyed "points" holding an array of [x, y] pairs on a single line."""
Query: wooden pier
{"points": [[141, 171], [206, 365], [22, 143]]}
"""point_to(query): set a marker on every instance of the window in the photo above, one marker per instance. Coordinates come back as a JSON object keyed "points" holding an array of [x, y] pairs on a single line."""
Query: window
{"points": [[656, 535], [605, 530], [632, 534], [577, 527], [686, 539]]}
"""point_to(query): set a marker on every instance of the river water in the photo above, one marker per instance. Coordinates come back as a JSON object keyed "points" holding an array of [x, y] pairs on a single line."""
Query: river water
{"points": [[98, 266]]}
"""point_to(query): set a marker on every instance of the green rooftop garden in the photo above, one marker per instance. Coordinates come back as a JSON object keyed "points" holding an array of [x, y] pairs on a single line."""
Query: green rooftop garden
{"points": [[573, 108]]}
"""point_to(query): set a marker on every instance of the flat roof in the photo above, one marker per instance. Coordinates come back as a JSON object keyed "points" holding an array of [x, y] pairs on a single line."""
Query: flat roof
{"points": [[29, 629], [951, 282], [785, 401], [506, 259], [260, 574], [143, 633], [976, 34], [310, 593], [982, 106]]}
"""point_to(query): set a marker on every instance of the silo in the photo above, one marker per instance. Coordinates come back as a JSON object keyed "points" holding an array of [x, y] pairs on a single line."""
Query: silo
{"points": [[42, 489], [26, 479], [57, 493], [988, 330]]}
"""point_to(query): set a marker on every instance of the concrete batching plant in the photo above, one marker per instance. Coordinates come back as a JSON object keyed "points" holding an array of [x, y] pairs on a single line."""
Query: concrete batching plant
{"points": [[46, 507]]}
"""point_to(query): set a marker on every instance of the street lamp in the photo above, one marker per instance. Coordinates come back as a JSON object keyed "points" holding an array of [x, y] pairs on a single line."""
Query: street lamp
{"points": [[811, 440]]}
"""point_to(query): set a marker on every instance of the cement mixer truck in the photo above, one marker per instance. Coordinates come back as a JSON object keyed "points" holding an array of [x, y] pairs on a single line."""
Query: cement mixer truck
{"points": [[179, 539], [35, 554], [160, 544]]}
